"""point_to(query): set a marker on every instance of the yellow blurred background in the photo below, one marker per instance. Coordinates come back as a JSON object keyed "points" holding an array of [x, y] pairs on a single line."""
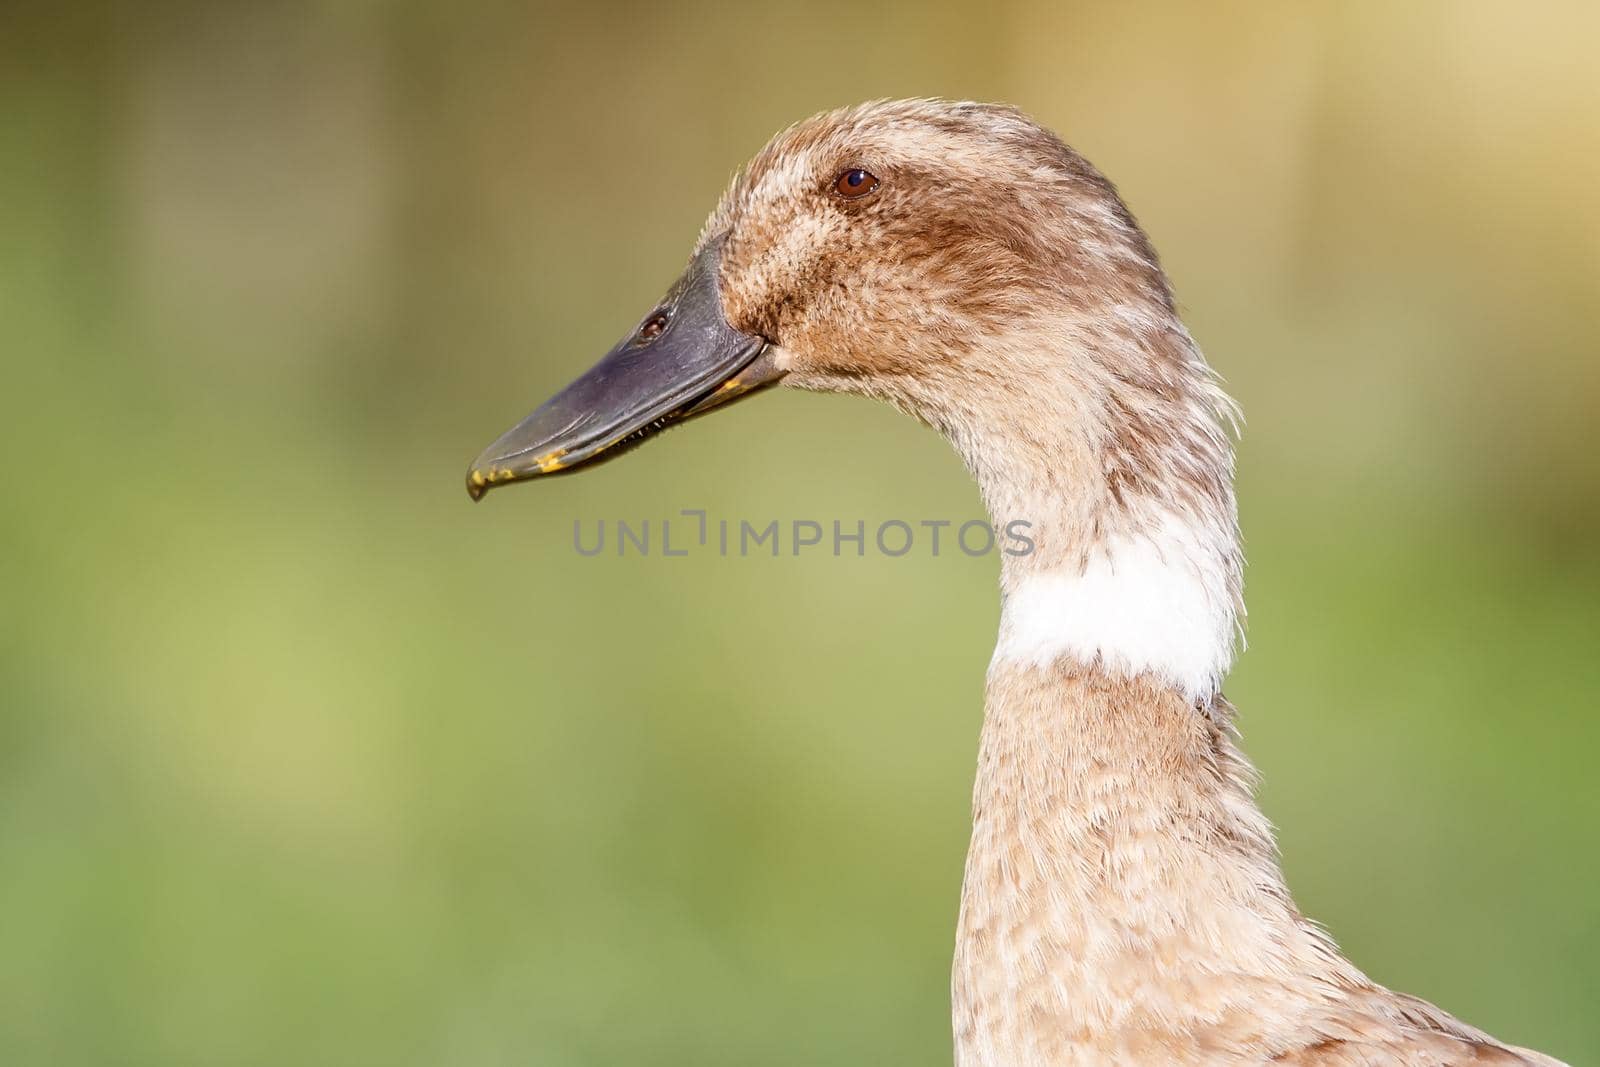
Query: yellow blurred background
{"points": [[306, 760]]}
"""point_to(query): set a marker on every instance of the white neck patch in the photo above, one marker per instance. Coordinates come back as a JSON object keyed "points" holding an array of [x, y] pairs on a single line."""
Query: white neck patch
{"points": [[1157, 602]]}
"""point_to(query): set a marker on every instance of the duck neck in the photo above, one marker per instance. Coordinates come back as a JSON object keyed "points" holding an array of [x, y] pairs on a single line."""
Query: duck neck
{"points": [[1120, 880], [1121, 884]]}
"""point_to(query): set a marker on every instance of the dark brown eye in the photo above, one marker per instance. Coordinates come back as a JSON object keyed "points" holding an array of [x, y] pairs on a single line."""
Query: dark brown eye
{"points": [[652, 328], [855, 183]]}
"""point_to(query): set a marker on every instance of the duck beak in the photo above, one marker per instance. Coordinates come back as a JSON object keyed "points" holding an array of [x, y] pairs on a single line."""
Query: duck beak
{"points": [[683, 360]]}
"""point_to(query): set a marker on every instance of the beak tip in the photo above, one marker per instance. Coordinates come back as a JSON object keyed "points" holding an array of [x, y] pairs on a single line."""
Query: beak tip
{"points": [[477, 484]]}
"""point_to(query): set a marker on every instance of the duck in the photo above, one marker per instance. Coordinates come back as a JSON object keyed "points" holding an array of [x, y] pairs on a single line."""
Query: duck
{"points": [[1122, 900]]}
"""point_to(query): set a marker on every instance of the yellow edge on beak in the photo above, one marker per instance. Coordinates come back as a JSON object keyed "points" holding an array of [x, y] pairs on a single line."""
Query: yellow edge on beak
{"points": [[550, 462]]}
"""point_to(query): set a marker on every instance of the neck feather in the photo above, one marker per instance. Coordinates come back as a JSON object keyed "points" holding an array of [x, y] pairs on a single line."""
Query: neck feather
{"points": [[1121, 880], [1123, 469], [1121, 883], [1158, 599]]}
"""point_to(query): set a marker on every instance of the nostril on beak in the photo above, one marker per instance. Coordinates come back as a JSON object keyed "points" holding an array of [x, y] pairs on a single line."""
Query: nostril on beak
{"points": [[652, 327]]}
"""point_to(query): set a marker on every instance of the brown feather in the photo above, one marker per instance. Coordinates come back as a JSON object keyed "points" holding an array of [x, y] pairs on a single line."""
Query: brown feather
{"points": [[1123, 901]]}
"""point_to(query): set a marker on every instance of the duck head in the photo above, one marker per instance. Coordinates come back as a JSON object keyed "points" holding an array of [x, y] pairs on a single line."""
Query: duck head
{"points": [[957, 260]]}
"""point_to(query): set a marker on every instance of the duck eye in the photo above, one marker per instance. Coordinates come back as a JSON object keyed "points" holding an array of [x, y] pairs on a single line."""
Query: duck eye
{"points": [[855, 183]]}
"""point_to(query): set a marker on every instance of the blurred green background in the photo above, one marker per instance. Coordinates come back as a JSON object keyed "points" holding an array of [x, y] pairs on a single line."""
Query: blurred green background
{"points": [[304, 759]]}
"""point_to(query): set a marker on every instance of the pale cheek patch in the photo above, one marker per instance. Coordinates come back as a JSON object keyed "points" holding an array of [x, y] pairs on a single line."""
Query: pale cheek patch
{"points": [[1156, 603]]}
